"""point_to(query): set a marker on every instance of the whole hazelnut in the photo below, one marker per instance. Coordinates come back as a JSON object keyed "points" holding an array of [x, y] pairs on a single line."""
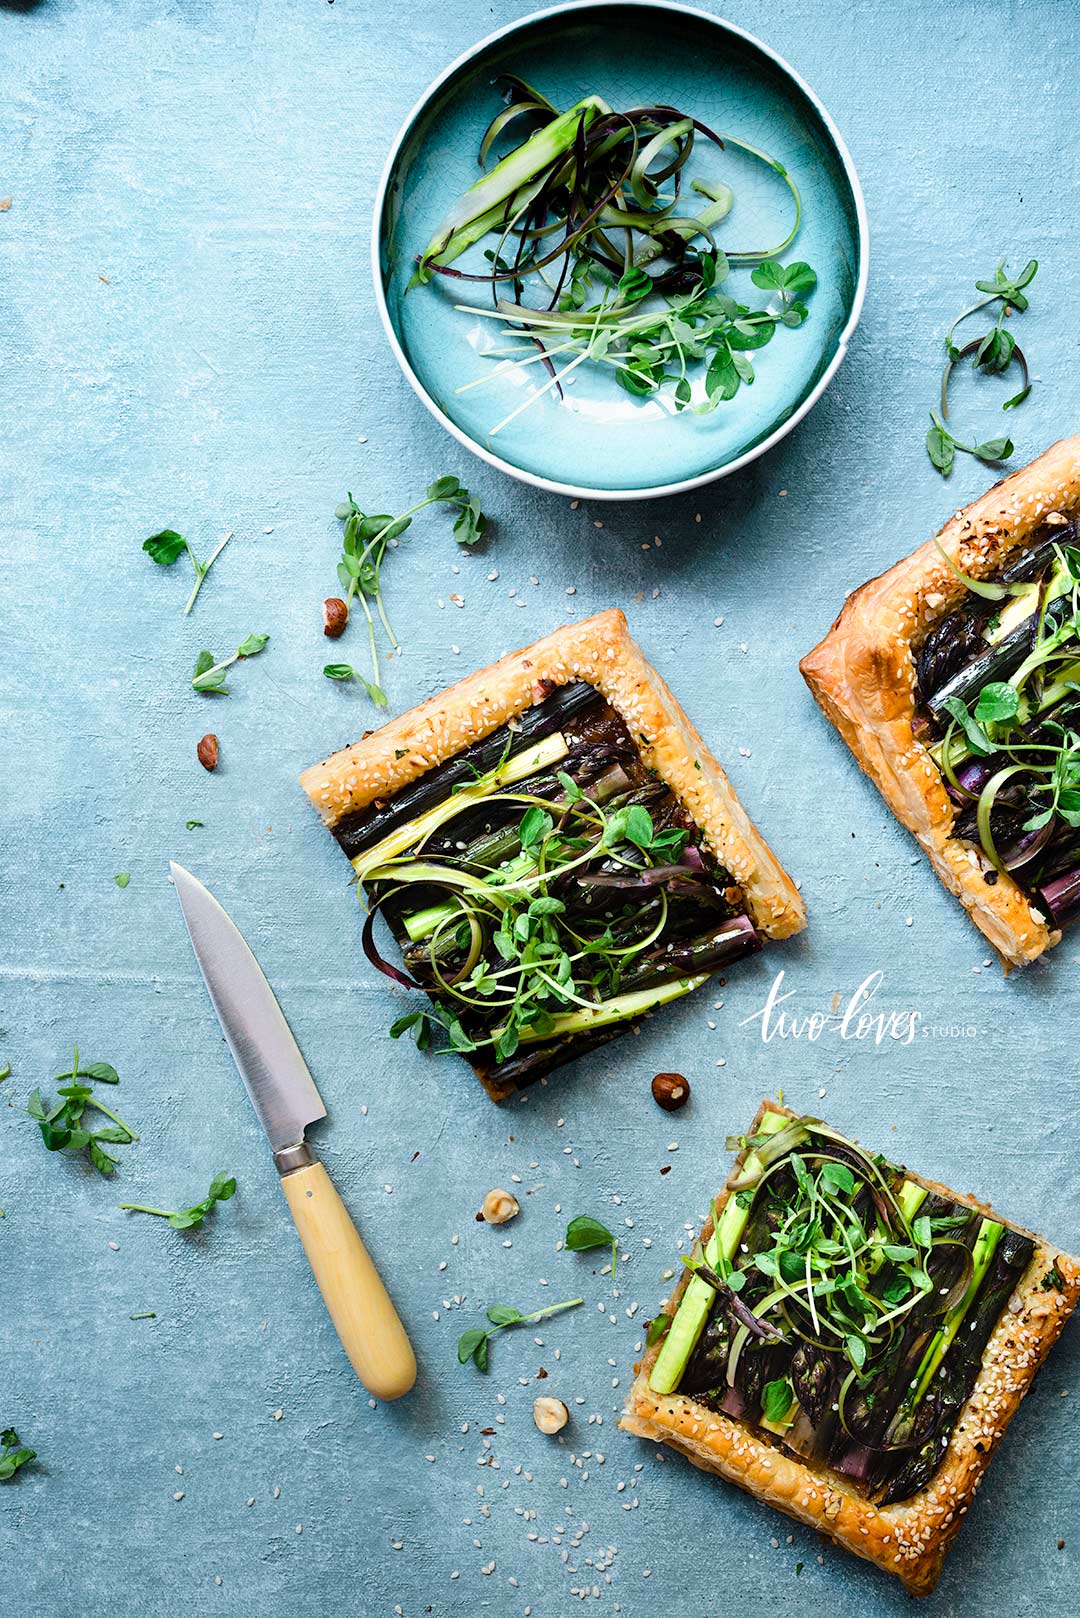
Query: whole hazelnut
{"points": [[335, 615], [670, 1091], [207, 752], [549, 1414], [499, 1207]]}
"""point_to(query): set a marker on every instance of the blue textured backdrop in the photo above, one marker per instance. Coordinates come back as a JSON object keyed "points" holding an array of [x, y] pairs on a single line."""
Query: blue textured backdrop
{"points": [[188, 339]]}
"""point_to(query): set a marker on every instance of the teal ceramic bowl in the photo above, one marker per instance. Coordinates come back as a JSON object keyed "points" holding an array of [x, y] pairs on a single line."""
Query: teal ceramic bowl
{"points": [[599, 441]]}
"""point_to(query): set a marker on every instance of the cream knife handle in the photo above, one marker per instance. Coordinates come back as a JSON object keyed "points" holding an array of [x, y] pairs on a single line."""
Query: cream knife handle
{"points": [[359, 1304]]}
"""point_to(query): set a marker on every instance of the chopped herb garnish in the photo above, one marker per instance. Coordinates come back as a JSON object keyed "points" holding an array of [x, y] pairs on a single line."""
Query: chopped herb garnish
{"points": [[473, 1345], [190, 825], [122, 878], [222, 1187]]}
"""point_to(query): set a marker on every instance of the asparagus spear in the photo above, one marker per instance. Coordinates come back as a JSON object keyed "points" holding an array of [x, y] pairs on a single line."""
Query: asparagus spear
{"points": [[697, 1300], [518, 767]]}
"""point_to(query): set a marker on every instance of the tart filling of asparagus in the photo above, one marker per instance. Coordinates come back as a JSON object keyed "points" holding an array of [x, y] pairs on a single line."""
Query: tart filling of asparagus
{"points": [[562, 874], [953, 678], [549, 897], [872, 1329], [999, 700]]}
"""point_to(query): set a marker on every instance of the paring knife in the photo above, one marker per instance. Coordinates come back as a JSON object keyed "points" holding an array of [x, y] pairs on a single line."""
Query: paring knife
{"points": [[284, 1096]]}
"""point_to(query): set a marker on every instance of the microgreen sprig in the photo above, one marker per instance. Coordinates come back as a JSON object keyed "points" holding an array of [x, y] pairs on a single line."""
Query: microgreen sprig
{"points": [[209, 677], [585, 1233], [345, 671], [13, 1454], [473, 1345], [62, 1127], [168, 546], [364, 545], [992, 354], [651, 346], [222, 1187]]}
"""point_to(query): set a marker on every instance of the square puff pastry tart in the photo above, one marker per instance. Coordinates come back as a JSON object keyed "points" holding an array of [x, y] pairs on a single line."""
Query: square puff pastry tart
{"points": [[362, 779], [909, 1538], [863, 677]]}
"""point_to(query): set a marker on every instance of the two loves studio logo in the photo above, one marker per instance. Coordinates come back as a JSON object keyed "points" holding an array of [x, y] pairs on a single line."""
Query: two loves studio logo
{"points": [[863, 1017]]}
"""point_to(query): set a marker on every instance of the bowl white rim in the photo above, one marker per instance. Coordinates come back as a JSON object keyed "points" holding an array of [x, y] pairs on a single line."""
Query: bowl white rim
{"points": [[584, 491]]}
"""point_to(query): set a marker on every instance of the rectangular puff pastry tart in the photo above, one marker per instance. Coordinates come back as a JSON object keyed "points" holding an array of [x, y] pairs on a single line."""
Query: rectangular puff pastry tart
{"points": [[955, 680], [850, 1341], [555, 850]]}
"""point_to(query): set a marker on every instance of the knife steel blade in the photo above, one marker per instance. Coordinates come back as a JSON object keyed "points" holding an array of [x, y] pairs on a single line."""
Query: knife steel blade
{"points": [[282, 1090]]}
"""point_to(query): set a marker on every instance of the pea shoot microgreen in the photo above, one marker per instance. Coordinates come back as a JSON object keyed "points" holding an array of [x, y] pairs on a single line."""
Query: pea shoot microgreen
{"points": [[992, 354], [584, 1233], [364, 545], [345, 671], [209, 677], [222, 1187], [653, 346], [13, 1454], [168, 546], [63, 1127], [473, 1345]]}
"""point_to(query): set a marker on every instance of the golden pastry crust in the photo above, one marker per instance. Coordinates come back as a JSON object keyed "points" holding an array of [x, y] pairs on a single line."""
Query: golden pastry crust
{"points": [[863, 677], [600, 651], [910, 1538]]}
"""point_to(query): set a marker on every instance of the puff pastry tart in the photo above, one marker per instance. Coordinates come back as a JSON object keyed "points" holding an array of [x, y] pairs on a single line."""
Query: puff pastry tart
{"points": [[556, 851], [850, 1342], [955, 680]]}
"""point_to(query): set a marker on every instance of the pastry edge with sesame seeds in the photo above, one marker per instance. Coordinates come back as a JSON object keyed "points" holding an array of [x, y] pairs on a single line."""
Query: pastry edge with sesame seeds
{"points": [[600, 651], [911, 1538], [862, 676]]}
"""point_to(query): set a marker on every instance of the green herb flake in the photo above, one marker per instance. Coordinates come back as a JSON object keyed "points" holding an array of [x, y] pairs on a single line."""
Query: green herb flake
{"points": [[122, 878]]}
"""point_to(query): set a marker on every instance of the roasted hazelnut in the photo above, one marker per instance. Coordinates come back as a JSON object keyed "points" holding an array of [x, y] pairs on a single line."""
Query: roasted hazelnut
{"points": [[335, 615], [207, 752], [499, 1207], [549, 1414], [670, 1091]]}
